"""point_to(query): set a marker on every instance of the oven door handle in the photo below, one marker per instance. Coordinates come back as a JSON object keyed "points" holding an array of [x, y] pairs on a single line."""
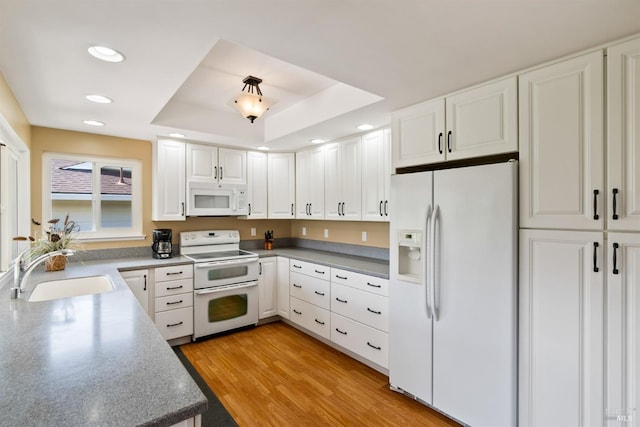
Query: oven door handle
{"points": [[224, 288], [222, 263]]}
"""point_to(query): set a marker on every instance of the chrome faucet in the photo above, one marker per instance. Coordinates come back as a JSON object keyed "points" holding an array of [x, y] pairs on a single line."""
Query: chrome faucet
{"points": [[22, 271]]}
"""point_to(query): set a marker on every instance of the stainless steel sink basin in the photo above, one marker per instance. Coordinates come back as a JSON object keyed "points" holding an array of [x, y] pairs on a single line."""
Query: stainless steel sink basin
{"points": [[65, 288]]}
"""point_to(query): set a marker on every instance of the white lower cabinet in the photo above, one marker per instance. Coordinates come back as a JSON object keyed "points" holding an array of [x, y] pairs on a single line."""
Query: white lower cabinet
{"points": [[268, 301], [311, 317], [363, 340], [310, 297], [561, 329], [173, 286], [311, 289], [364, 307], [138, 282], [283, 287]]}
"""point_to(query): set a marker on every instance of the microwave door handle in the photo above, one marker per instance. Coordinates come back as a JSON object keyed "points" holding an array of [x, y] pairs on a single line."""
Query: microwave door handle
{"points": [[224, 288]]}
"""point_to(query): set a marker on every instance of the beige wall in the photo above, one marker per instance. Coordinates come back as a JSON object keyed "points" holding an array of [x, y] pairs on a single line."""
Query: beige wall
{"points": [[13, 114], [62, 141]]}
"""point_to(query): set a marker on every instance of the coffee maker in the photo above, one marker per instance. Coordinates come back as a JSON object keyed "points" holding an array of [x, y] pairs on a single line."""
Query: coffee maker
{"points": [[161, 243]]}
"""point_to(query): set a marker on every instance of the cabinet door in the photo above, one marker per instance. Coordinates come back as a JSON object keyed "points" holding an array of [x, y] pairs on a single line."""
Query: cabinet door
{"points": [[281, 185], [561, 328], [232, 166], [561, 148], [303, 184], [623, 333], [268, 302], [257, 184], [168, 180], [202, 163], [316, 183], [623, 138], [483, 120], [418, 134], [332, 197], [138, 282], [374, 176], [283, 286], [350, 180]]}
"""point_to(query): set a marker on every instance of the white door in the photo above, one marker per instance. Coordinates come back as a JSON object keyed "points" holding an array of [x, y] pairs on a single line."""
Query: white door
{"points": [[138, 282], [418, 134], [281, 185], [475, 292], [303, 185], [268, 303], [332, 195], [350, 180], [169, 186], [623, 331], [316, 184], [232, 166], [561, 329], [283, 286], [374, 178], [561, 145], [623, 136], [257, 184], [202, 163], [483, 120]]}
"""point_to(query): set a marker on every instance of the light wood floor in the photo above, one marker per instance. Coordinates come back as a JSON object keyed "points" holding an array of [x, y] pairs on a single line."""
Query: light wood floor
{"points": [[274, 375]]}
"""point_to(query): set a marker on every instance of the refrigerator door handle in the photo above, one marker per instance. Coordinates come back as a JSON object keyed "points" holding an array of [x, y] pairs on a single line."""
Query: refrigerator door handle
{"points": [[427, 262], [432, 256]]}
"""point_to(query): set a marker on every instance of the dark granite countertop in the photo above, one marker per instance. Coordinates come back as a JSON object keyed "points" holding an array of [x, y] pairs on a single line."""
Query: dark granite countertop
{"points": [[93, 360]]}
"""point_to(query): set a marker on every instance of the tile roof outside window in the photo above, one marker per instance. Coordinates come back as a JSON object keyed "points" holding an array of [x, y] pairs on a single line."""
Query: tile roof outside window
{"points": [[69, 180]]}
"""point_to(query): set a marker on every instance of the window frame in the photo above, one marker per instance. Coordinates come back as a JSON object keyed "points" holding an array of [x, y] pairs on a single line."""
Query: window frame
{"points": [[135, 232]]}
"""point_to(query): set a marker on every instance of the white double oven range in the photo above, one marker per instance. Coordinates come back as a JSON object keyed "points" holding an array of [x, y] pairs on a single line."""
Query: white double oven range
{"points": [[225, 281]]}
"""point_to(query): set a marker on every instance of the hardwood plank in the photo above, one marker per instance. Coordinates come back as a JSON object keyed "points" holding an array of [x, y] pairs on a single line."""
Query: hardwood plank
{"points": [[275, 375]]}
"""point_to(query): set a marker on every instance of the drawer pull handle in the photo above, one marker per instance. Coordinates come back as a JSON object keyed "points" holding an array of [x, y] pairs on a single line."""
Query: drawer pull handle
{"points": [[341, 300], [319, 272], [319, 322], [374, 285], [297, 286], [319, 293], [170, 288], [297, 266], [174, 302], [615, 193], [373, 311], [174, 324], [373, 346], [341, 277], [341, 332], [175, 273], [296, 311]]}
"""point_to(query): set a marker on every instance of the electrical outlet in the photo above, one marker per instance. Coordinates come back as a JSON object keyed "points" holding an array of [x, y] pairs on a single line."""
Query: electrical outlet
{"points": [[364, 236], [253, 231], [326, 233], [304, 231]]}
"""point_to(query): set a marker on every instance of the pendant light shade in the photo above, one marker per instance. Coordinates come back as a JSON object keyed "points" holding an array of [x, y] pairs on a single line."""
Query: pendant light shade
{"points": [[251, 104]]}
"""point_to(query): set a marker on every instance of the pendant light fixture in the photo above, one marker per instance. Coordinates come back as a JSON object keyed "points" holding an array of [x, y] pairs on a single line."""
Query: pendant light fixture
{"points": [[251, 104]]}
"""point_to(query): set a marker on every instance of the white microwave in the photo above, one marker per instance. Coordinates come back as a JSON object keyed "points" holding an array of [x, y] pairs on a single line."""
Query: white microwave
{"points": [[209, 199]]}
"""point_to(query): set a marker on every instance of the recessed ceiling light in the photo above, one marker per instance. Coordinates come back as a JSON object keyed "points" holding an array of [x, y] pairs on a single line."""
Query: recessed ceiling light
{"points": [[177, 135], [106, 53], [364, 126], [317, 141], [263, 148], [99, 99], [93, 123]]}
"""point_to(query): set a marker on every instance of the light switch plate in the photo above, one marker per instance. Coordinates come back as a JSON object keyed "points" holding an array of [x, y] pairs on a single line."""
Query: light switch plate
{"points": [[326, 233], [304, 231], [364, 236], [253, 231]]}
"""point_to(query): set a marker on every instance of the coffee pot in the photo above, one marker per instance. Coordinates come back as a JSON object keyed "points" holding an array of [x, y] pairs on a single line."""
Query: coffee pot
{"points": [[161, 243]]}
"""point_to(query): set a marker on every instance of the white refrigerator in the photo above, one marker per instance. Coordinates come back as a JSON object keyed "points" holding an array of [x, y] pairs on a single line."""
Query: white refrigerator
{"points": [[453, 291]]}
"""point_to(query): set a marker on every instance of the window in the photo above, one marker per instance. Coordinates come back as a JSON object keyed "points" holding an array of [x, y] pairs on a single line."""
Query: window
{"points": [[102, 195]]}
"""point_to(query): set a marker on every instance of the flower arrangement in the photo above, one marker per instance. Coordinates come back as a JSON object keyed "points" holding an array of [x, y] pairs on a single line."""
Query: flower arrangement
{"points": [[55, 236]]}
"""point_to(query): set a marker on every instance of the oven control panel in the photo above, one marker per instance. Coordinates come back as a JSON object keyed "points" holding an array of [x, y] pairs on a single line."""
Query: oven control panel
{"points": [[209, 237]]}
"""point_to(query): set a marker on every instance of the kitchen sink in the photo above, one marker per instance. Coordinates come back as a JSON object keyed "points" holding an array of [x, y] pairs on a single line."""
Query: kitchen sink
{"points": [[65, 288]]}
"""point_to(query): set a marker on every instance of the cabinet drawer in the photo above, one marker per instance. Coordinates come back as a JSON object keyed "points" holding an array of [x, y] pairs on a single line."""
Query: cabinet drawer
{"points": [[377, 285], [310, 269], [175, 323], [365, 307], [310, 317], [310, 289], [173, 272], [173, 302], [369, 343], [174, 287]]}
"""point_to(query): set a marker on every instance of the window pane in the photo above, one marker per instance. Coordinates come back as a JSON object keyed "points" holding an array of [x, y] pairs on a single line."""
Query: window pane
{"points": [[115, 196], [71, 190]]}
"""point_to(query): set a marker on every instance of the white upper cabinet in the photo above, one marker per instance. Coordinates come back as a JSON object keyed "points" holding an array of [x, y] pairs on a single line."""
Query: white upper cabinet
{"points": [[169, 187], [281, 185], [343, 180], [477, 122], [561, 145], [207, 163], [257, 185], [310, 184], [623, 136], [376, 175]]}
